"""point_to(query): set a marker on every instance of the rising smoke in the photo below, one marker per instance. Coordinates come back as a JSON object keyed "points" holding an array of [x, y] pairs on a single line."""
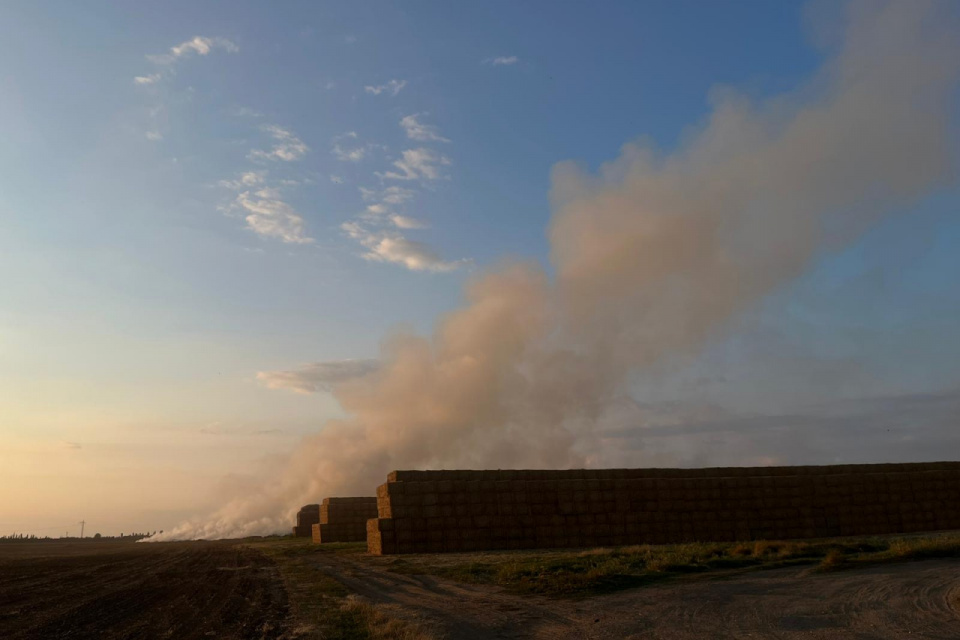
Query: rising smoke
{"points": [[653, 256]]}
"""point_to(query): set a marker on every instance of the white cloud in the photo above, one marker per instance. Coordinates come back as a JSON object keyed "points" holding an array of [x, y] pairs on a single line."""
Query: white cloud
{"points": [[288, 148], [199, 45], [336, 179], [502, 60], [392, 88], [148, 79], [270, 216], [153, 136], [418, 164], [350, 39], [389, 246], [348, 155], [246, 179], [317, 376], [416, 130], [397, 195], [404, 222]]}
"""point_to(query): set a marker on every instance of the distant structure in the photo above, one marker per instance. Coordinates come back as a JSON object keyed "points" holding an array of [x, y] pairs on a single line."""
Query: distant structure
{"points": [[344, 519], [308, 516], [437, 511]]}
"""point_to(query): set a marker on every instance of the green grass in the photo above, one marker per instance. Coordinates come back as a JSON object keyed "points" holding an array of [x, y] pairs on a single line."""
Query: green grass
{"points": [[571, 573], [322, 605]]}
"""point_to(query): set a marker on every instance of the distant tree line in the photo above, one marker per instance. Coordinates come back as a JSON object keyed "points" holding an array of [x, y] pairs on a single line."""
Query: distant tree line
{"points": [[24, 537]]}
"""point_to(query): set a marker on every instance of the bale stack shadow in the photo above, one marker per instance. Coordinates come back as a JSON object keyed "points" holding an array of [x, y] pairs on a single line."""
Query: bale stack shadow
{"points": [[344, 519], [455, 511]]}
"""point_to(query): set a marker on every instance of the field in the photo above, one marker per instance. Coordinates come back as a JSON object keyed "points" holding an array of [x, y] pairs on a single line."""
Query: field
{"points": [[891, 587], [115, 589]]}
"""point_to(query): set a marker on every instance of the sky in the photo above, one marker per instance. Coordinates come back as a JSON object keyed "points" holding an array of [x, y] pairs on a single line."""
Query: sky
{"points": [[216, 218]]}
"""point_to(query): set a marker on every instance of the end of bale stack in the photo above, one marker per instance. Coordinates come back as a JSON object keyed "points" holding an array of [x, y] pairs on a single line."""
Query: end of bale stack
{"points": [[344, 519]]}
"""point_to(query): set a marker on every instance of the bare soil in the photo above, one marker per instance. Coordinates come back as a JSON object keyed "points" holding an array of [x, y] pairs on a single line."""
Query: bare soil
{"points": [[114, 590], [231, 590]]}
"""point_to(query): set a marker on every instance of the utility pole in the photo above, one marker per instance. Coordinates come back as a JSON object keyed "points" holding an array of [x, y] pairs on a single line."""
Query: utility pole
{"points": [[82, 523]]}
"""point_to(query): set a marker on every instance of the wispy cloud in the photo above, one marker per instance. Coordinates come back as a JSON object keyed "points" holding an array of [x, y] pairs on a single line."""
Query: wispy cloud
{"points": [[418, 164], [416, 130], [245, 112], [268, 215], [356, 154], [392, 247], [153, 136], [352, 152], [392, 88], [245, 180], [397, 195], [405, 222], [502, 61], [220, 429], [288, 147], [152, 78], [199, 45], [377, 209], [391, 195], [317, 376], [349, 39]]}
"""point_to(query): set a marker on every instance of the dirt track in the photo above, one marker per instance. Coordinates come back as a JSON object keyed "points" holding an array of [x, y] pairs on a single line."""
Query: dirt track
{"points": [[126, 590], [909, 600]]}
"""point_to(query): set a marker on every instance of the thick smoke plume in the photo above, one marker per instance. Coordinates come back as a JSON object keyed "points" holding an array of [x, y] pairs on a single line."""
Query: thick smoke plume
{"points": [[653, 256]]}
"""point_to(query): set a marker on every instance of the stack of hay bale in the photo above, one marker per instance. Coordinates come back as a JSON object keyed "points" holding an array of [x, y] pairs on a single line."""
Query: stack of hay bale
{"points": [[344, 519], [308, 515], [436, 511]]}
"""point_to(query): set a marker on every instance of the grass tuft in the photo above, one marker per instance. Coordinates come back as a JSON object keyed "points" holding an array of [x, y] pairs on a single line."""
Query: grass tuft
{"points": [[322, 605]]}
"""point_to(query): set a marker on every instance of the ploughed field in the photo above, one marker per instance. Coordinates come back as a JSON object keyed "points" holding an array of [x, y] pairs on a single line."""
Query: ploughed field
{"points": [[289, 588], [92, 589]]}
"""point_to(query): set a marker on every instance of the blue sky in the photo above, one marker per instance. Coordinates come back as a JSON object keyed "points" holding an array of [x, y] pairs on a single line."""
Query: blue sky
{"points": [[140, 301]]}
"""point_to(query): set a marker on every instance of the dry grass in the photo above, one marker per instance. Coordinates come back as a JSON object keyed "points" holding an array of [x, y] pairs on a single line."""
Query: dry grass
{"points": [[323, 607], [601, 570], [379, 624], [833, 559]]}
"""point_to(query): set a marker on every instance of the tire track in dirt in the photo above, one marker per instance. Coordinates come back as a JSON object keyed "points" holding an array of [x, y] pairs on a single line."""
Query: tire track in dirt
{"points": [[452, 609], [895, 601]]}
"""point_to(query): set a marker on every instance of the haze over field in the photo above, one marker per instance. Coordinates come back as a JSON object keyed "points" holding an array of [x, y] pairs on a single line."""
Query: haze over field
{"points": [[765, 275]]}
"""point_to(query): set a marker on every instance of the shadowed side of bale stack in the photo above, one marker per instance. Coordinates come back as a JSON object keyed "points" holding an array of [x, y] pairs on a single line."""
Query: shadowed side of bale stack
{"points": [[308, 515], [344, 519], [435, 511]]}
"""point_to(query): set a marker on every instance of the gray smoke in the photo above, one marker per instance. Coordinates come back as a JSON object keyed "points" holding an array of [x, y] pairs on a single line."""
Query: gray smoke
{"points": [[654, 255]]}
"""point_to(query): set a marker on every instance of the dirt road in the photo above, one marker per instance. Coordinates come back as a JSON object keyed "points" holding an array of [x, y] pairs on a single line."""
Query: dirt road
{"points": [[114, 590], [908, 600]]}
